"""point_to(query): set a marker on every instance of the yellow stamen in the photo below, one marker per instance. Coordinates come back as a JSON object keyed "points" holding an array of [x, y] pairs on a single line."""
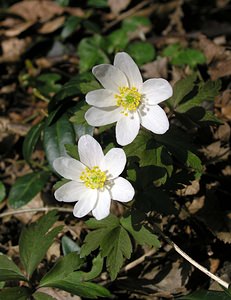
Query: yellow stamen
{"points": [[128, 98], [93, 178]]}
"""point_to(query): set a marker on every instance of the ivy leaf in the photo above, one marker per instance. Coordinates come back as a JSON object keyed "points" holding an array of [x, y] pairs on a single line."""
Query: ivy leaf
{"points": [[26, 188], [113, 241], [133, 23], [142, 235], [31, 140], [64, 276], [19, 293], [9, 270], [117, 40], [37, 234]]}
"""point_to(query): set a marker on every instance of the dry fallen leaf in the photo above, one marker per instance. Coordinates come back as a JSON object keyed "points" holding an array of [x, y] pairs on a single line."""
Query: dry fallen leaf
{"points": [[52, 25], [220, 69], [117, 6], [156, 69], [211, 50]]}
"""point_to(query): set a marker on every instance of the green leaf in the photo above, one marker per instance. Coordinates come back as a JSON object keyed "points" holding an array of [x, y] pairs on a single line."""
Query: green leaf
{"points": [[71, 24], [181, 89], [89, 86], [37, 234], [63, 267], [191, 57], [64, 276], [9, 270], [206, 92], [78, 117], [72, 151], [42, 296], [97, 3], [26, 188], [59, 183], [46, 83], [97, 266], [19, 293], [141, 52], [91, 53], [142, 235], [56, 136], [133, 23], [206, 295], [117, 40], [2, 191], [31, 140], [68, 245], [113, 240]]}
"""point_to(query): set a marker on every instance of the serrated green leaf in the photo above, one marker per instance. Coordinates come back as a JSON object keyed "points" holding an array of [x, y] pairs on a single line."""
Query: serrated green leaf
{"points": [[68, 245], [89, 86], [142, 235], [2, 191], [19, 293], [59, 183], [9, 270], [31, 140], [37, 234], [72, 151], [206, 295], [64, 276], [78, 117], [181, 88], [141, 52], [113, 240], [206, 92], [116, 245], [91, 53], [97, 266], [56, 136], [42, 296], [26, 188], [46, 83], [63, 267]]}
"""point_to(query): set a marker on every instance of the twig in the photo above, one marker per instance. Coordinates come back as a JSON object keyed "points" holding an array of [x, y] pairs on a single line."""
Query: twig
{"points": [[192, 261], [28, 210], [138, 261], [126, 14]]}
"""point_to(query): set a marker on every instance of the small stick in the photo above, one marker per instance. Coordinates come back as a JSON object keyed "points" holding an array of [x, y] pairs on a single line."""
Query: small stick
{"points": [[31, 210], [138, 261], [192, 261]]}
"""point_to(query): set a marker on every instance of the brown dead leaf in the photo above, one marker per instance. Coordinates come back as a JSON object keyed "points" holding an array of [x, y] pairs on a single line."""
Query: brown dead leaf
{"points": [[52, 25], [216, 151], [54, 251], [17, 29], [58, 294], [220, 69], [156, 69], [117, 6], [189, 190], [13, 48], [223, 133], [226, 104], [36, 10], [175, 24], [196, 205], [211, 50]]}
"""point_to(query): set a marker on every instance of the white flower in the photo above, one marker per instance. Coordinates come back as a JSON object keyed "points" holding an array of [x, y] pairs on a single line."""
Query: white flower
{"points": [[126, 100], [94, 180]]}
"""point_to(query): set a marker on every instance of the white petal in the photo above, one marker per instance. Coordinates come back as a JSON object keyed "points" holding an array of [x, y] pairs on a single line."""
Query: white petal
{"points": [[102, 116], [70, 192], [110, 77], [90, 151], [115, 161], [68, 167], [101, 98], [127, 65], [122, 190], [127, 129], [85, 205], [102, 208], [155, 119], [157, 90]]}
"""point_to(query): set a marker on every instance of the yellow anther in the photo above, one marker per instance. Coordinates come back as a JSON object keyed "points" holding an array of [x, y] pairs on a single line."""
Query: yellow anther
{"points": [[128, 98], [93, 178]]}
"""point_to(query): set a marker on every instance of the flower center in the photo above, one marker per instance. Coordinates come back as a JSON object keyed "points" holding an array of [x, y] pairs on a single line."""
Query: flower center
{"points": [[128, 98], [93, 178]]}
